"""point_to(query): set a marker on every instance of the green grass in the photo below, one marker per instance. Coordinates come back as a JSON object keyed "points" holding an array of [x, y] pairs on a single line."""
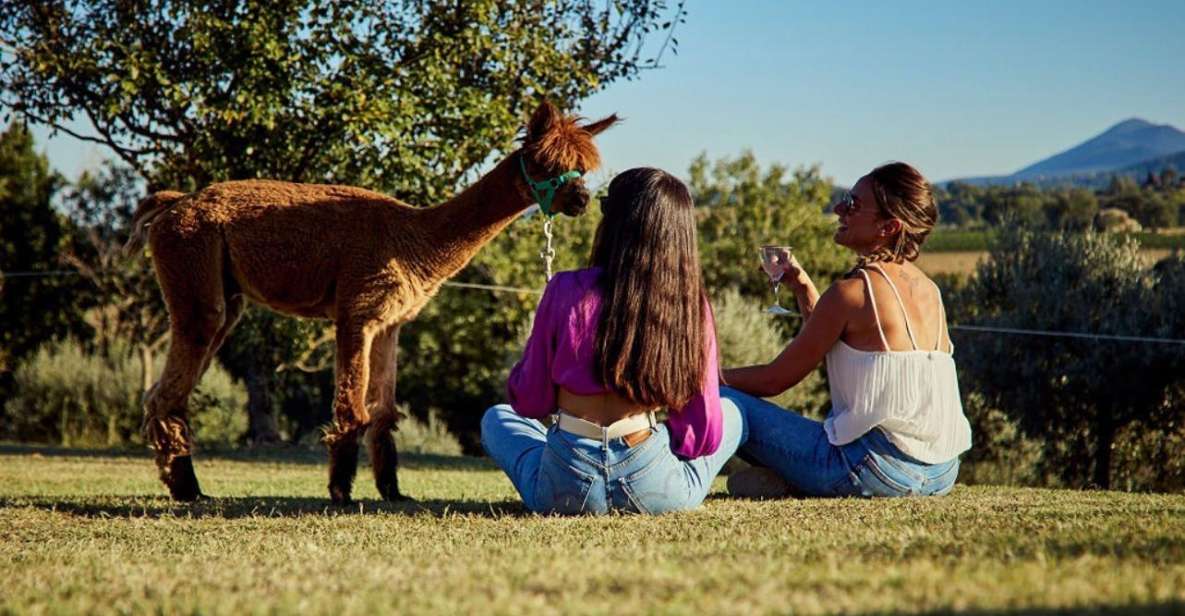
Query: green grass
{"points": [[957, 241], [979, 241], [91, 532]]}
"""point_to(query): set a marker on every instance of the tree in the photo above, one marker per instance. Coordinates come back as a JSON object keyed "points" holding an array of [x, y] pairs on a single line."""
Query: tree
{"points": [[1022, 204], [123, 303], [742, 206], [1072, 210], [403, 97], [409, 98], [1072, 394], [959, 204], [41, 306]]}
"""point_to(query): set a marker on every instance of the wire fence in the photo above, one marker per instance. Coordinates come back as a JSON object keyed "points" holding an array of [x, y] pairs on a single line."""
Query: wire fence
{"points": [[968, 328]]}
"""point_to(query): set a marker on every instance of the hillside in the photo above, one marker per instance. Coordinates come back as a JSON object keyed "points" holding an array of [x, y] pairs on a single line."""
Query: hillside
{"points": [[1127, 143], [1132, 147]]}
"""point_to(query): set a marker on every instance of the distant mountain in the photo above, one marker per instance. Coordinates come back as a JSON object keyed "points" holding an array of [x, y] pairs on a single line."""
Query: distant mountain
{"points": [[1124, 144], [1130, 143], [1140, 170]]}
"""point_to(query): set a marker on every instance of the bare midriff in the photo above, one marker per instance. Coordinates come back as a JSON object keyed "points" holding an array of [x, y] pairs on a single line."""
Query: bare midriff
{"points": [[603, 409]]}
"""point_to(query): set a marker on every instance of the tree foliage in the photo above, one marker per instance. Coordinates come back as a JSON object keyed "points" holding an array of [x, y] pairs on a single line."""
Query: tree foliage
{"points": [[410, 98], [120, 290], [402, 97], [37, 304], [742, 206], [1155, 204]]}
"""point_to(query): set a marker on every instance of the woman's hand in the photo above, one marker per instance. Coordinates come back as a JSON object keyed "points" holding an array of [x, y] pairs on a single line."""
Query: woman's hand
{"points": [[792, 272], [795, 277]]}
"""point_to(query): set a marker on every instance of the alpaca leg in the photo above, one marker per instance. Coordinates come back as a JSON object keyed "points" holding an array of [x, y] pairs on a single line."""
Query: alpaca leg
{"points": [[349, 409], [380, 400], [190, 278], [235, 304], [166, 418]]}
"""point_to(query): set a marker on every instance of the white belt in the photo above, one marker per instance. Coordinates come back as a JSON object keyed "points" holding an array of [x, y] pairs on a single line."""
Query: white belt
{"points": [[618, 429]]}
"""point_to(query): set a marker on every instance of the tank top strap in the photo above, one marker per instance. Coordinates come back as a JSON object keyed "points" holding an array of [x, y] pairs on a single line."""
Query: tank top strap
{"points": [[876, 315], [941, 320], [904, 313]]}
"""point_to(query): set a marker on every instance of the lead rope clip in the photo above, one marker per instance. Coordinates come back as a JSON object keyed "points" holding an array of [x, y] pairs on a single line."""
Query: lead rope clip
{"points": [[548, 253]]}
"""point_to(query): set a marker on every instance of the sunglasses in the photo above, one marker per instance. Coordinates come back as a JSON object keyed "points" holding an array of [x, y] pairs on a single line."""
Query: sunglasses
{"points": [[846, 203]]}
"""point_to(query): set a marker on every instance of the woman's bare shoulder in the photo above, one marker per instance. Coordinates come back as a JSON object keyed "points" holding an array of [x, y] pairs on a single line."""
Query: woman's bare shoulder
{"points": [[848, 291]]}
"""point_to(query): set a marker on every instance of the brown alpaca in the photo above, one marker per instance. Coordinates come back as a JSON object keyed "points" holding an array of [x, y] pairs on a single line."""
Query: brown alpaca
{"points": [[364, 260]]}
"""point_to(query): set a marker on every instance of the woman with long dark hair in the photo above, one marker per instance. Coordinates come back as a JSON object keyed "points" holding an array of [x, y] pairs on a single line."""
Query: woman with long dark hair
{"points": [[896, 425], [610, 345]]}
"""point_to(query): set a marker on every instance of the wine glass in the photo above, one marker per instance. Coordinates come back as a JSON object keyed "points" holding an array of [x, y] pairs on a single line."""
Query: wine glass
{"points": [[772, 260]]}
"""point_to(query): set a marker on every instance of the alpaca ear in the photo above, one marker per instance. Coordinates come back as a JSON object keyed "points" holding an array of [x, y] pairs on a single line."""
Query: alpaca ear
{"points": [[545, 118], [599, 126]]}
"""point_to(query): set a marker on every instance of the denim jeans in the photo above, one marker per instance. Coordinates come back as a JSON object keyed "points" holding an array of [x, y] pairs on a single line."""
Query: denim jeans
{"points": [[798, 450], [559, 472]]}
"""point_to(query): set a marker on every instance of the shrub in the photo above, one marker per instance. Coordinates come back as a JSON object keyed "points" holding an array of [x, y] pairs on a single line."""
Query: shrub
{"points": [[412, 435], [746, 335], [1000, 454], [69, 396], [1077, 397], [427, 436]]}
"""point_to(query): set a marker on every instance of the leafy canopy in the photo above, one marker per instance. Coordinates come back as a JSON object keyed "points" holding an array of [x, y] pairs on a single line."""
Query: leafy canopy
{"points": [[404, 97]]}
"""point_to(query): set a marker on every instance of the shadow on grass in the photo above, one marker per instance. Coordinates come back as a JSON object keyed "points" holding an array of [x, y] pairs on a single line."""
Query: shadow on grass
{"points": [[236, 507], [1167, 607], [279, 454]]}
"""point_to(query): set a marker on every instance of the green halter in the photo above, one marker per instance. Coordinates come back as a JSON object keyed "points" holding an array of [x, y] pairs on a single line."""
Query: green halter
{"points": [[544, 191]]}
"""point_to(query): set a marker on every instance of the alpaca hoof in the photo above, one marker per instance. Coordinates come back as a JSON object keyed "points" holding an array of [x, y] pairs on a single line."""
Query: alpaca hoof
{"points": [[388, 487], [339, 496], [397, 497], [182, 482]]}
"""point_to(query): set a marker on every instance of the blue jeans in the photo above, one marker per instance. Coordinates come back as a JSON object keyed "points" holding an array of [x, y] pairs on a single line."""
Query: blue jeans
{"points": [[798, 450], [559, 472]]}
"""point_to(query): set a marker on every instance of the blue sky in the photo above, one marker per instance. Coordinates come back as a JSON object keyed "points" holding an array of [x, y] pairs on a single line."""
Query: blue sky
{"points": [[957, 89]]}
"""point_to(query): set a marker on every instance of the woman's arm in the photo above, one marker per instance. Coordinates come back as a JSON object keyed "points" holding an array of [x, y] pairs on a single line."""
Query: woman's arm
{"points": [[795, 277], [820, 332], [529, 388]]}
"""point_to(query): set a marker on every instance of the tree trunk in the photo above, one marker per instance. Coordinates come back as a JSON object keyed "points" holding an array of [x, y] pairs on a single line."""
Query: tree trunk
{"points": [[1105, 439], [261, 417], [145, 367]]}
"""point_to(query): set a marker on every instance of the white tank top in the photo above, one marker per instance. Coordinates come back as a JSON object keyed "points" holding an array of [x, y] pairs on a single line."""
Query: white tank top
{"points": [[911, 396]]}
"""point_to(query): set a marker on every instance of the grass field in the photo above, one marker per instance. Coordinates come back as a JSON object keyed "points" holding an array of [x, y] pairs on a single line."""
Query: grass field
{"points": [[90, 532], [950, 240], [963, 262]]}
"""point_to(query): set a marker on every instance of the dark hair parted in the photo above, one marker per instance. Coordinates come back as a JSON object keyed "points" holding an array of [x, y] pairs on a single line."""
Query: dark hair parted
{"points": [[650, 340], [903, 193]]}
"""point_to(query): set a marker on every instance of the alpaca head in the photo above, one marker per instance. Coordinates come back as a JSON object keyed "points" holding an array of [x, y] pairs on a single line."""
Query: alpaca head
{"points": [[556, 144]]}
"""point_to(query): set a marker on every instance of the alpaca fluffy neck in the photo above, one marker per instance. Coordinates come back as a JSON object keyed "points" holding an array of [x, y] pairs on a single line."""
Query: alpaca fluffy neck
{"points": [[458, 228]]}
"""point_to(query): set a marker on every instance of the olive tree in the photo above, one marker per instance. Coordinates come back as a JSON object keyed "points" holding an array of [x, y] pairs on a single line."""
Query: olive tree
{"points": [[1074, 394]]}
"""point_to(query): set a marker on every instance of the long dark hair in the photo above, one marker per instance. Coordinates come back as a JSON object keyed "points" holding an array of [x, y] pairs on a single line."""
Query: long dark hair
{"points": [[650, 340]]}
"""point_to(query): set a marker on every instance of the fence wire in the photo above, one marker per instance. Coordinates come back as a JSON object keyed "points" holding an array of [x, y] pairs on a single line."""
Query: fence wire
{"points": [[969, 328]]}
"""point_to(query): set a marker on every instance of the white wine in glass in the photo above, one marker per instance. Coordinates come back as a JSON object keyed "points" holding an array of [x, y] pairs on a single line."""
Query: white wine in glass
{"points": [[772, 260]]}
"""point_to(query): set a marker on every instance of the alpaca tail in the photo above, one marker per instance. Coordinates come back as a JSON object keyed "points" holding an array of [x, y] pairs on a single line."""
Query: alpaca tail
{"points": [[148, 209]]}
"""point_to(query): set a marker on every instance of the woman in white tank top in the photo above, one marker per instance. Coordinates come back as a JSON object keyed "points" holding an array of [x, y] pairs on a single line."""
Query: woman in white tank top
{"points": [[896, 425]]}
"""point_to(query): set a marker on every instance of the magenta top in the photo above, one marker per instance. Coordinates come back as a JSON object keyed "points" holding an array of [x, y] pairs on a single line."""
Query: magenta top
{"points": [[560, 353]]}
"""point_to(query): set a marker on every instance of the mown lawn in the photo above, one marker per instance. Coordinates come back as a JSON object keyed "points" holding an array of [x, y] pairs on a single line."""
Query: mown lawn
{"points": [[92, 532]]}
